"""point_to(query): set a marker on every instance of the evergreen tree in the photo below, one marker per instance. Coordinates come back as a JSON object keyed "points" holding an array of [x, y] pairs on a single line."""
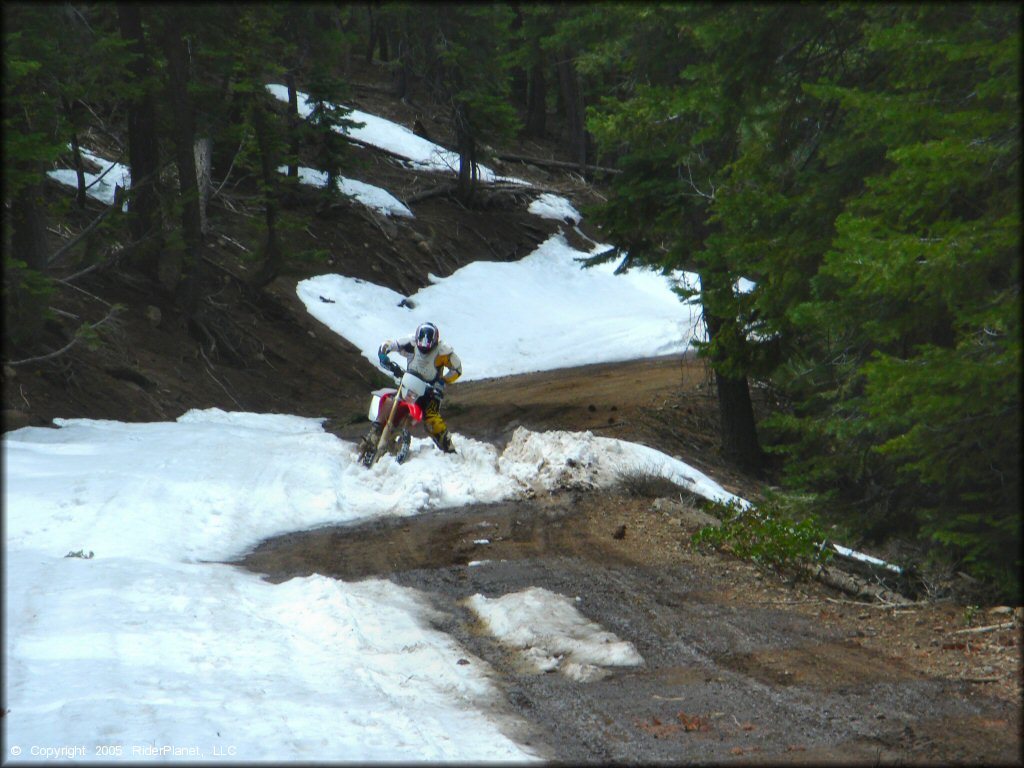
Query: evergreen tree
{"points": [[144, 210], [674, 131], [914, 325], [464, 59], [31, 140], [54, 58]]}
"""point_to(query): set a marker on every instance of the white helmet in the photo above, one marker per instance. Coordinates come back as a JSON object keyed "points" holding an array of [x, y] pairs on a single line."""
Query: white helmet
{"points": [[427, 337]]}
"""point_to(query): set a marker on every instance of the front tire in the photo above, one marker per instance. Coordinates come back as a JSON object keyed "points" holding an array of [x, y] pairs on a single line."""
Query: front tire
{"points": [[401, 445]]}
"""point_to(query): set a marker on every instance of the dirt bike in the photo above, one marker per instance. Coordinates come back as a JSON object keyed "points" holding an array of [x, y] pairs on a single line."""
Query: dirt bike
{"points": [[393, 413]]}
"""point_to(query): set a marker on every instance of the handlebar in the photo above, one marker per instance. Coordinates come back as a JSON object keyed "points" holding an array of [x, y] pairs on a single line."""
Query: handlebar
{"points": [[395, 369]]}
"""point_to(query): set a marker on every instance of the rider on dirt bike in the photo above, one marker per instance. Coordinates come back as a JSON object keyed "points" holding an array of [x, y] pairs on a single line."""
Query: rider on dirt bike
{"points": [[428, 356]]}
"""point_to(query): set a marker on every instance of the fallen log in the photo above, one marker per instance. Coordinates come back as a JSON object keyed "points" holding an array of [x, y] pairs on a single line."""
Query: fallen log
{"points": [[545, 163], [980, 630], [856, 586]]}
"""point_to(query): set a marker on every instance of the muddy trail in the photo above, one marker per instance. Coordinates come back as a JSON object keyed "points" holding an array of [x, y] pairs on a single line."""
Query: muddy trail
{"points": [[739, 666]]}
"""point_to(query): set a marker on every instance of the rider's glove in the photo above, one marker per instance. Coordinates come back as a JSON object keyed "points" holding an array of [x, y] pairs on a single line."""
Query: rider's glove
{"points": [[382, 355], [436, 392]]}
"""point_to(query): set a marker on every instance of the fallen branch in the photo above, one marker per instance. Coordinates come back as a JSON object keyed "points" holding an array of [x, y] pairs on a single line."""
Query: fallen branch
{"points": [[980, 630], [80, 236], [227, 174], [375, 148], [437, 191], [108, 261], [209, 371], [911, 607], [485, 242], [221, 268], [83, 291], [67, 347], [555, 163], [857, 587]]}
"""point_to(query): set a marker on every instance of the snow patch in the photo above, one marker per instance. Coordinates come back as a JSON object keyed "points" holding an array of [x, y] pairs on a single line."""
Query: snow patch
{"points": [[552, 635]]}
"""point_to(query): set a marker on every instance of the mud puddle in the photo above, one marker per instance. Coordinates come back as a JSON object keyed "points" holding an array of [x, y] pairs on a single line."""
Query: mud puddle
{"points": [[732, 681], [432, 540]]}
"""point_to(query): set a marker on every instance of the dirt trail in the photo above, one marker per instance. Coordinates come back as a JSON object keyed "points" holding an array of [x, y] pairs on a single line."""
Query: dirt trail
{"points": [[739, 666]]}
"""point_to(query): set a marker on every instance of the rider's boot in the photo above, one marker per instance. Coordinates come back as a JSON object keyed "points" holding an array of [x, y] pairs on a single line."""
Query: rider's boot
{"points": [[444, 442], [368, 445]]}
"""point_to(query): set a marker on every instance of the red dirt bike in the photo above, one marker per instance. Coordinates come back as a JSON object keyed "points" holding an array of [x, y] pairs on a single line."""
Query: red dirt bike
{"points": [[393, 413]]}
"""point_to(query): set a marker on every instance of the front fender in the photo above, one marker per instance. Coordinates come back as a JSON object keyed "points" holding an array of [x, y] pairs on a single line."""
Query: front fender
{"points": [[411, 410]]}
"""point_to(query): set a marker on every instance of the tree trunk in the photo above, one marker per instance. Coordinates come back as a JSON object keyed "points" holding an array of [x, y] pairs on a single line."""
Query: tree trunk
{"points": [[737, 427], [28, 227], [402, 76], [272, 256], [76, 152], [466, 146], [294, 125], [537, 103], [143, 150], [519, 86], [204, 159], [378, 38], [76, 156], [183, 131], [24, 313], [572, 103], [371, 36]]}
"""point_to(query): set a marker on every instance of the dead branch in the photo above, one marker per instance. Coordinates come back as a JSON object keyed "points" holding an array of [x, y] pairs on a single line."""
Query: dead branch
{"points": [[910, 607], [209, 371], [67, 347], [375, 148], [237, 244], [852, 585], [994, 679], [227, 174], [221, 268], [81, 235], [442, 189], [83, 291], [542, 162], [980, 630], [485, 241], [109, 261]]}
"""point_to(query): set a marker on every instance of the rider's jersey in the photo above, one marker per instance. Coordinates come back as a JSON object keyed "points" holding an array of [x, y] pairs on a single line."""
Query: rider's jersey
{"points": [[428, 365]]}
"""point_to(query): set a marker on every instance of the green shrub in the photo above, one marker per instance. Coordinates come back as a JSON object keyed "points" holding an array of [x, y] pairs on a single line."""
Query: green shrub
{"points": [[766, 535]]}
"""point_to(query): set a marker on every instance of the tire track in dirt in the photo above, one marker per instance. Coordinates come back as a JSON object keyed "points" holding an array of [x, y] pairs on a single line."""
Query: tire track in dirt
{"points": [[724, 677]]}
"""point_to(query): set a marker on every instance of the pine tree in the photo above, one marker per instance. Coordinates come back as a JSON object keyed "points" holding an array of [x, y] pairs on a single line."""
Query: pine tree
{"points": [[674, 130], [914, 322]]}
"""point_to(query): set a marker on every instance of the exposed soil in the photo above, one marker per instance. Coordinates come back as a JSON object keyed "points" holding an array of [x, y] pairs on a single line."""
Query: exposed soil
{"points": [[739, 665]]}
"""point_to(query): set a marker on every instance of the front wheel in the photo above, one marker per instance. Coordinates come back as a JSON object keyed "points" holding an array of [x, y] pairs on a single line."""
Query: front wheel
{"points": [[397, 441], [401, 445]]}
